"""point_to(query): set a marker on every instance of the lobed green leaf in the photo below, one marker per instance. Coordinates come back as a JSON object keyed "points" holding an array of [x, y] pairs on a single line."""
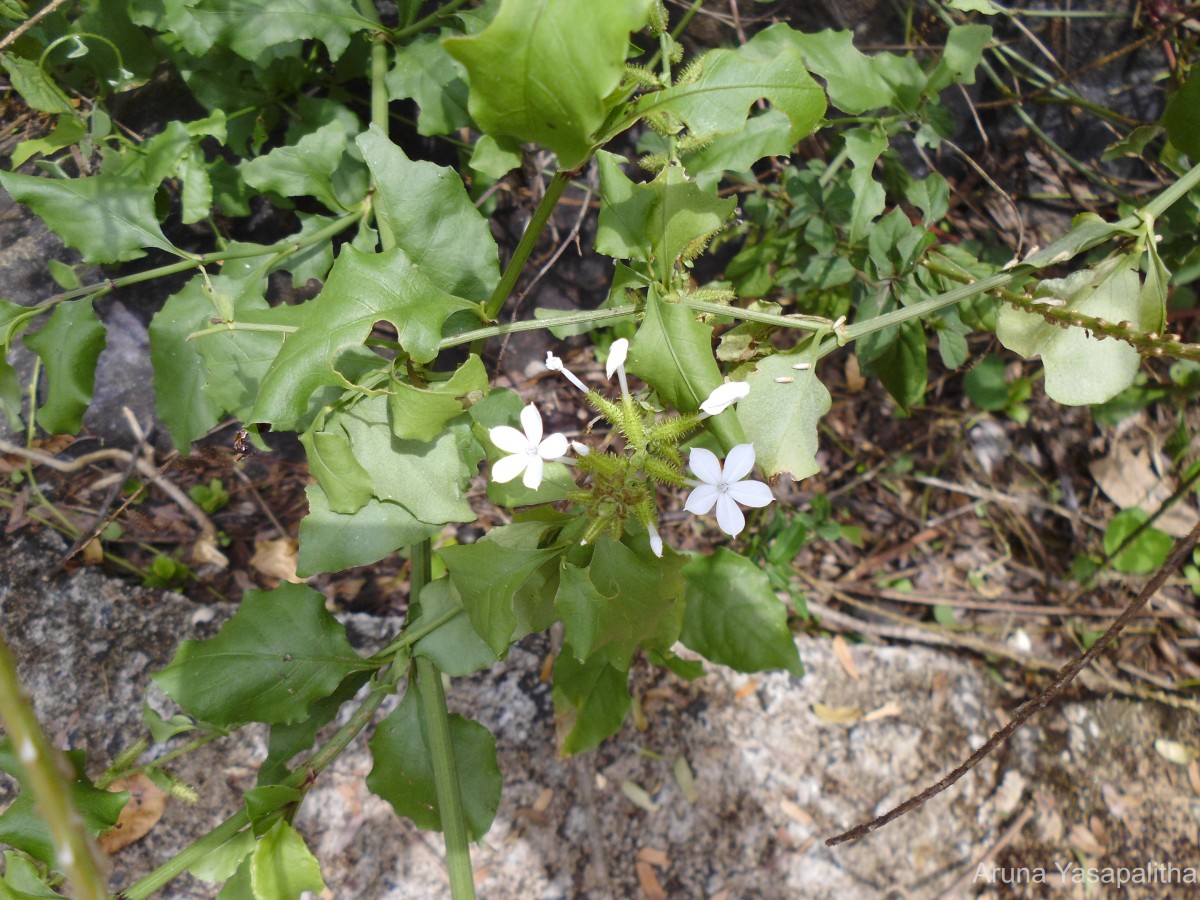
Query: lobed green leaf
{"points": [[69, 346]]}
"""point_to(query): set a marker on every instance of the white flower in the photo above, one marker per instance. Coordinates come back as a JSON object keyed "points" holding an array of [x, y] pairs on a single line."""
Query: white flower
{"points": [[724, 488], [529, 451], [616, 356], [554, 364], [656, 541], [724, 397]]}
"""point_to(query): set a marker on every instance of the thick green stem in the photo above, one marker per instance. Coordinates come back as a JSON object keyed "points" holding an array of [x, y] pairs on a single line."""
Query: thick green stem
{"points": [[379, 94], [591, 317], [445, 771], [46, 776]]}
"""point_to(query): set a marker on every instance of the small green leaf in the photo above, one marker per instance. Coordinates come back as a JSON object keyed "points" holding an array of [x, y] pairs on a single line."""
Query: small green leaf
{"points": [[673, 353], [180, 375], [303, 169], [455, 647], [494, 157], [283, 866], [331, 542], [346, 484], [279, 653], [425, 72], [36, 88], [591, 700], [69, 346], [733, 616], [1145, 553], [403, 770], [864, 145], [251, 28], [264, 801], [781, 419], [986, 385], [857, 83], [67, 131], [288, 740], [420, 414], [547, 72], [107, 218], [162, 730], [960, 57], [221, 863], [21, 880], [902, 365]]}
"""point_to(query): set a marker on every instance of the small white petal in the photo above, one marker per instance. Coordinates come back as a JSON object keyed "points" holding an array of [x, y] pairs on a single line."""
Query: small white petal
{"points": [[509, 467], [738, 463], [701, 500], [533, 473], [508, 439], [553, 447], [656, 542], [580, 449], [531, 421], [724, 397], [553, 363], [750, 493], [706, 465], [729, 517], [616, 356]]}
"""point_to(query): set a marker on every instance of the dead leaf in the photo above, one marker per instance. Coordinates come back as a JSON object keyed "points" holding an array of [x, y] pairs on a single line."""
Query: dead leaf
{"points": [[654, 856], [746, 689], [276, 559], [796, 813], [1138, 479], [1193, 772], [853, 372], [837, 715], [685, 779], [543, 801], [638, 796], [841, 652], [887, 711], [1082, 839], [205, 552], [140, 814], [651, 886]]}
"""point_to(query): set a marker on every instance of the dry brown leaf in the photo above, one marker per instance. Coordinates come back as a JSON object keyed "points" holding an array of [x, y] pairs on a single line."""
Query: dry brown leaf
{"points": [[1081, 838], [795, 812], [854, 377], [1131, 479], [543, 801], [746, 689], [837, 715], [654, 856], [685, 779], [841, 652], [276, 559], [93, 552], [651, 886], [887, 711], [205, 552], [140, 814]]}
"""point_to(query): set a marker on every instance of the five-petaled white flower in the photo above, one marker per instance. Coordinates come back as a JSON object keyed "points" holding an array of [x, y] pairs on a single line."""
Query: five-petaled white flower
{"points": [[723, 488], [529, 451]]}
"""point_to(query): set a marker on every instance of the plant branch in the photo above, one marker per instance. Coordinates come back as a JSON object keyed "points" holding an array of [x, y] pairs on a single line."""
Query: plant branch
{"points": [[593, 317]]}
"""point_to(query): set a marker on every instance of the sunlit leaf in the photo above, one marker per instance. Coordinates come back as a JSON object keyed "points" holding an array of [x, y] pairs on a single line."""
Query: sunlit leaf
{"points": [[282, 865], [781, 418]]}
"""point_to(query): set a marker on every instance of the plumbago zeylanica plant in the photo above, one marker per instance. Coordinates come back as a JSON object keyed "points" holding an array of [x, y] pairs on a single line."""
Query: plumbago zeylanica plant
{"points": [[410, 270]]}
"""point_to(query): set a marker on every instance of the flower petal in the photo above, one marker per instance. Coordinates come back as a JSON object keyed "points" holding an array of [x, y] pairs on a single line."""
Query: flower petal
{"points": [[507, 468], [729, 517], [706, 466], [553, 363], [508, 439], [533, 473], [751, 493], [739, 462], [656, 542], [553, 447], [701, 500], [531, 421], [616, 356], [724, 397]]}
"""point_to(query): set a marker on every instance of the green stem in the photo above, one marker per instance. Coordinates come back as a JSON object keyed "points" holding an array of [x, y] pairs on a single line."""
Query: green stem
{"points": [[243, 326], [808, 323], [379, 94], [195, 744], [591, 317], [76, 854], [420, 630], [437, 728], [421, 24]]}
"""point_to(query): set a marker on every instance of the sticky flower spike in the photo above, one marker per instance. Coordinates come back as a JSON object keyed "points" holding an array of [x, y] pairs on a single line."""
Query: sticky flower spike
{"points": [[529, 451], [726, 488]]}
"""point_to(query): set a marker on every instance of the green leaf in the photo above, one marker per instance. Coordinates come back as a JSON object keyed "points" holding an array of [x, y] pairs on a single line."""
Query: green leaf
{"points": [[429, 478], [21, 880], [455, 647], [107, 218], [68, 346], [180, 375], [1145, 553], [162, 730], [672, 352], [279, 653], [495, 158], [768, 134], [264, 801], [283, 866], [547, 71], [781, 419], [674, 214], [346, 484], [591, 700], [864, 144], [403, 770], [288, 740], [221, 863], [425, 72], [1081, 369], [960, 57], [331, 542], [733, 616], [986, 7], [620, 602], [489, 573], [303, 169], [67, 131], [36, 88], [22, 828], [985, 384], [1181, 118], [731, 81], [363, 288], [250, 27], [856, 83], [420, 414], [427, 211], [902, 366]]}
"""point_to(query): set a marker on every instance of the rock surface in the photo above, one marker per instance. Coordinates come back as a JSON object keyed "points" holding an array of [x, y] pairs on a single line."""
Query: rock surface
{"points": [[774, 770]]}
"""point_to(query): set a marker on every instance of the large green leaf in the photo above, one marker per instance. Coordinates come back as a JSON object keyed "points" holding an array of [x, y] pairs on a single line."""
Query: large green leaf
{"points": [[430, 478], [546, 70], [279, 653], [489, 573], [303, 169], [731, 81], [591, 700], [420, 414], [180, 375], [403, 770], [363, 288], [68, 346], [427, 212], [780, 418], [331, 542], [856, 82], [107, 218], [673, 353], [1181, 118], [620, 602], [1081, 369], [282, 865], [251, 27], [424, 71], [733, 616]]}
